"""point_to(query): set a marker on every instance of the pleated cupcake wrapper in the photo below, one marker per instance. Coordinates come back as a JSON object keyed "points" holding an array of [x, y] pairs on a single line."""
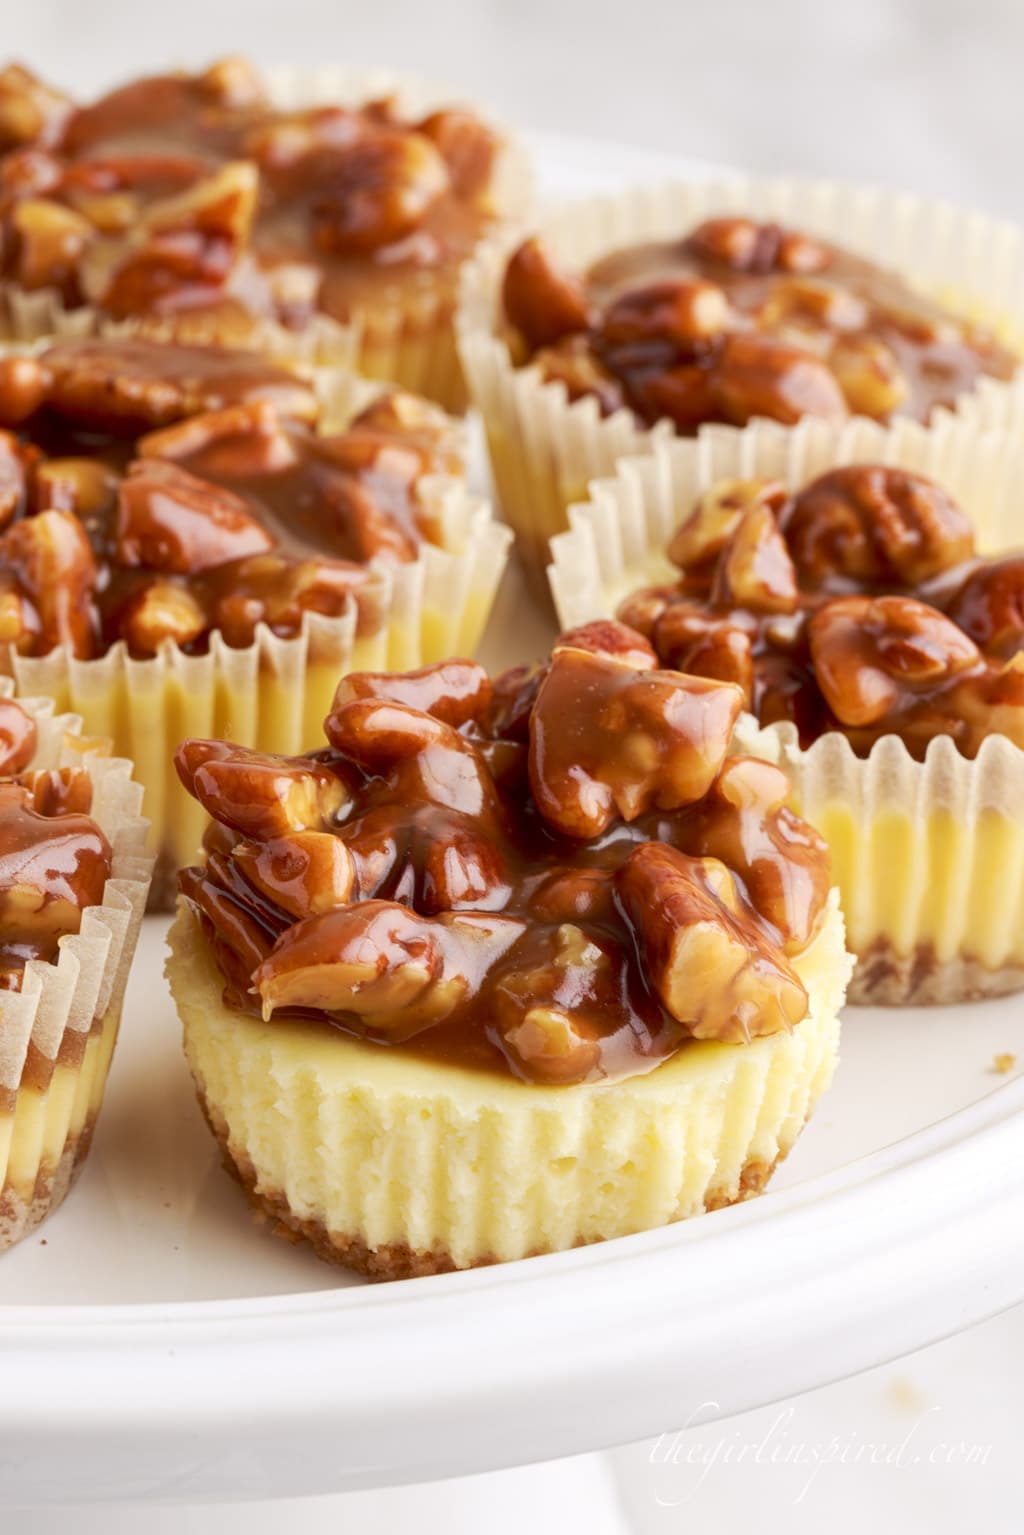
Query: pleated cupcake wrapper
{"points": [[404, 336], [57, 1033], [39, 315], [928, 856], [400, 1166], [274, 693], [545, 450]]}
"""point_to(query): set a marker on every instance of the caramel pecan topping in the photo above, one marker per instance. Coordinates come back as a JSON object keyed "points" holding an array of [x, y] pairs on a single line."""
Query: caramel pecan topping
{"points": [[560, 874], [191, 198], [230, 511], [855, 604], [740, 320], [54, 860]]}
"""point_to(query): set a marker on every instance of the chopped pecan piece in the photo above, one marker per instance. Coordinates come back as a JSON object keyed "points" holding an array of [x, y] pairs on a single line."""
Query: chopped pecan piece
{"points": [[747, 246], [746, 823], [50, 557], [303, 872], [755, 571], [713, 970], [161, 611], [47, 244], [550, 998], [684, 312], [542, 301], [755, 375], [51, 869], [133, 385], [700, 539], [875, 656], [604, 637], [470, 150], [608, 741], [191, 241], [989, 606], [259, 795], [380, 968], [453, 691], [426, 757], [377, 190], [169, 520], [31, 112]]}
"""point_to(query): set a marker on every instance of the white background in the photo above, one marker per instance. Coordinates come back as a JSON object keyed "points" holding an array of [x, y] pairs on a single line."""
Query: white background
{"points": [[924, 94]]}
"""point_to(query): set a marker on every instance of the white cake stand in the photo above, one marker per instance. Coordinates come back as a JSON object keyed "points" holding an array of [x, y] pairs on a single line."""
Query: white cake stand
{"points": [[156, 1343]]}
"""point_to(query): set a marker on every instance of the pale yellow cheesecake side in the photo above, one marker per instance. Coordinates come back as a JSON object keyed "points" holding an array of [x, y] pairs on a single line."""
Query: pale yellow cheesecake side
{"points": [[396, 1165]]}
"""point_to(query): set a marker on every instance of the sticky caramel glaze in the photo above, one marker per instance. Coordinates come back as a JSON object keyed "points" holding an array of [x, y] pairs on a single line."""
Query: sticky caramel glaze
{"points": [[739, 320], [54, 860], [856, 604], [351, 201], [414, 883], [228, 511]]}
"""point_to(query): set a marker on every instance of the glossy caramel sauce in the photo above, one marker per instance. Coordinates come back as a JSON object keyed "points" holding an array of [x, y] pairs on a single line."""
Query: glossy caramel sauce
{"points": [[497, 877], [738, 320], [857, 604], [344, 203], [153, 491], [54, 859]]}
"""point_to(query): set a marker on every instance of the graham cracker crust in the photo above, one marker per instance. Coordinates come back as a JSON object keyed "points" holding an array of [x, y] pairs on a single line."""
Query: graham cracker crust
{"points": [[397, 1260], [885, 978]]}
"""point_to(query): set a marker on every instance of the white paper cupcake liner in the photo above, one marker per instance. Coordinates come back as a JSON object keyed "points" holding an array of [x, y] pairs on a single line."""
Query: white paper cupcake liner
{"points": [[928, 856], [275, 693], [406, 336], [63, 1023], [545, 450], [399, 1166]]}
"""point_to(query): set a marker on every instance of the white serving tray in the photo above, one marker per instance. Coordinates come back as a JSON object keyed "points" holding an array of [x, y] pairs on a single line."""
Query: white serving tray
{"points": [[156, 1342]]}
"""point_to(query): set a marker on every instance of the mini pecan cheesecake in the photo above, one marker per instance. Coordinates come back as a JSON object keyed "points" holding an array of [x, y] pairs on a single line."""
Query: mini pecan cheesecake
{"points": [[509, 966], [674, 311], [188, 538], [73, 882], [882, 658], [201, 203]]}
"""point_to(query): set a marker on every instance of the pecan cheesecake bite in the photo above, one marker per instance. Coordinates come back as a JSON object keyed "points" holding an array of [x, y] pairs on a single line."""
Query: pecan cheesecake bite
{"points": [[509, 966], [73, 882], [669, 312], [190, 534], [203, 204], [882, 657]]}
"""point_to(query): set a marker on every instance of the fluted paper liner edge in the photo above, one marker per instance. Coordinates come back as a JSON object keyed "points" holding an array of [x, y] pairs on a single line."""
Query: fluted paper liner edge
{"points": [[545, 450], [380, 1151]]}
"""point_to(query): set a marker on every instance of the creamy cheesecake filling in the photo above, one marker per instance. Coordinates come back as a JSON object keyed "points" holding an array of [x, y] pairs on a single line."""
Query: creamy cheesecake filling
{"points": [[398, 1165]]}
